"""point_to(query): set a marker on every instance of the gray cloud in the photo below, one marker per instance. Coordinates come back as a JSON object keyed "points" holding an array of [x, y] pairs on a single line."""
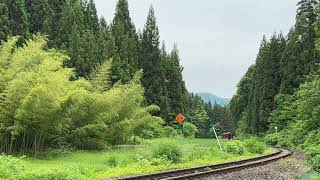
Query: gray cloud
{"points": [[218, 39]]}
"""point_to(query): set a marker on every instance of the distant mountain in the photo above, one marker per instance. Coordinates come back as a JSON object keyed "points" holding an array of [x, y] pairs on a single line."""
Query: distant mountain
{"points": [[213, 98]]}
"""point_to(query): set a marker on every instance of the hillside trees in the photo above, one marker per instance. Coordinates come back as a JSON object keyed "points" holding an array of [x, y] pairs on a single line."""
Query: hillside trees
{"points": [[266, 84], [282, 65], [240, 100], [41, 108], [300, 54], [73, 28]]}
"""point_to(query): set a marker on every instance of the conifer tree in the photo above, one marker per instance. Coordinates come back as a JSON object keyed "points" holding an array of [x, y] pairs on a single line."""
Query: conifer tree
{"points": [[5, 30], [90, 16], [18, 18], [266, 83], [300, 55], [56, 24], [153, 75], [39, 15], [177, 92], [126, 41], [240, 101]]}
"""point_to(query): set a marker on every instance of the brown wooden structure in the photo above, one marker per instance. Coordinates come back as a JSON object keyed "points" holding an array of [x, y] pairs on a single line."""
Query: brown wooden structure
{"points": [[228, 135]]}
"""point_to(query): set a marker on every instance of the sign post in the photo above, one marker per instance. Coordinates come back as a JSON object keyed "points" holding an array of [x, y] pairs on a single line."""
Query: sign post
{"points": [[215, 133], [180, 118]]}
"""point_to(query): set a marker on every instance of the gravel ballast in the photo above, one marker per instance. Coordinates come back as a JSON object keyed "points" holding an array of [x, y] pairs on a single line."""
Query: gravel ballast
{"points": [[284, 169]]}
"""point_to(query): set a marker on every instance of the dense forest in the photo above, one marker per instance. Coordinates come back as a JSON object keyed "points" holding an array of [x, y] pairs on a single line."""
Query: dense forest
{"points": [[279, 95], [70, 79]]}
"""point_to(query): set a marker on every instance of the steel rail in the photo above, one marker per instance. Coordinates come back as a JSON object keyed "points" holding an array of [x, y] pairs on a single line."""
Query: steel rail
{"points": [[202, 171]]}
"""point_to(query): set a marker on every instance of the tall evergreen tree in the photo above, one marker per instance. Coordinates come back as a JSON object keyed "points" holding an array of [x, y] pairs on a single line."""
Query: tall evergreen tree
{"points": [[91, 16], [126, 40], [18, 18], [5, 30], [166, 108], [266, 83], [300, 55], [55, 25], [39, 15], [150, 61], [177, 92], [239, 102]]}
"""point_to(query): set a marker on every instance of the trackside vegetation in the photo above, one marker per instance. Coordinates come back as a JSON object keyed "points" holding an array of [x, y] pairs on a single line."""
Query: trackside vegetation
{"points": [[150, 156]]}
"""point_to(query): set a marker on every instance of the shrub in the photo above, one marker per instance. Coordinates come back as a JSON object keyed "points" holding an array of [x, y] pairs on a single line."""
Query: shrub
{"points": [[90, 137], [112, 161], [313, 157], [169, 151], [10, 167], [135, 140], [312, 139], [169, 131], [272, 139], [189, 130], [234, 147], [255, 146]]}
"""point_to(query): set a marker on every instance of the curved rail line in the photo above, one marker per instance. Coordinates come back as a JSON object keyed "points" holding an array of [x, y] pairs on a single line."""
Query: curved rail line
{"points": [[202, 171]]}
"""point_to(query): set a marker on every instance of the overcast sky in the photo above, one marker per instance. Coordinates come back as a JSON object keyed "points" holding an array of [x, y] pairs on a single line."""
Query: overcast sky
{"points": [[217, 39]]}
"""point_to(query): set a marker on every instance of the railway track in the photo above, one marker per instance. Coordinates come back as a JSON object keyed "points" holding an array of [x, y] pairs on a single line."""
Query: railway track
{"points": [[203, 171]]}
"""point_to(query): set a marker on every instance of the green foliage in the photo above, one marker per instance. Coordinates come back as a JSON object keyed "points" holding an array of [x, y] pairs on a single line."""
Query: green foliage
{"points": [[313, 157], [272, 139], [18, 18], [100, 79], [4, 22], [189, 130], [198, 116], [135, 140], [255, 146], [150, 61], [240, 100], [168, 150], [112, 161], [234, 147], [10, 167], [40, 107], [125, 64], [169, 131], [65, 174], [73, 27], [91, 137]]}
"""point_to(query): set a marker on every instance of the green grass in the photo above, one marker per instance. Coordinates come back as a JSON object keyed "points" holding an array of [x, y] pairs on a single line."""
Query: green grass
{"points": [[135, 160]]}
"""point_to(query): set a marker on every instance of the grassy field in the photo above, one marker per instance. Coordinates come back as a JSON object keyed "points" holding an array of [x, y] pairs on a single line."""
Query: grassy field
{"points": [[133, 160]]}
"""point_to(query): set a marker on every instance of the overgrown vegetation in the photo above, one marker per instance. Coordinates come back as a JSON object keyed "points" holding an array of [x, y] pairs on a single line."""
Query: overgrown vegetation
{"points": [[255, 146], [41, 108], [234, 147], [153, 155]]}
